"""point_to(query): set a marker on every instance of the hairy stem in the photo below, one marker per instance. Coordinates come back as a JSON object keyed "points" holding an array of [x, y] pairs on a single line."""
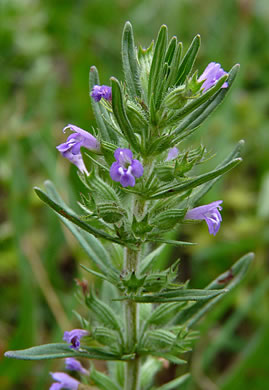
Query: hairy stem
{"points": [[132, 326]]}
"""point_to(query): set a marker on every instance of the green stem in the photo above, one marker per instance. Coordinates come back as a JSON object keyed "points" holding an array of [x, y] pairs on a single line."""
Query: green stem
{"points": [[132, 377]]}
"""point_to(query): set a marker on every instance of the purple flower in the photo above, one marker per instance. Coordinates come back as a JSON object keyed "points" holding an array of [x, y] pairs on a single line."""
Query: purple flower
{"points": [[101, 91], [210, 213], [74, 365], [212, 73], [64, 381], [125, 169], [71, 148], [172, 154], [73, 337]]}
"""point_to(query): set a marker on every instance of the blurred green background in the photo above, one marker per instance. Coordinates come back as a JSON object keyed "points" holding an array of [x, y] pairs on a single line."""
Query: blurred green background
{"points": [[46, 50]]}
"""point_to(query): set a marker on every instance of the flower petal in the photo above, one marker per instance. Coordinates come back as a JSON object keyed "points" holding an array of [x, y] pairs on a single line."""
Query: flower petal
{"points": [[137, 168], [114, 171], [127, 180]]}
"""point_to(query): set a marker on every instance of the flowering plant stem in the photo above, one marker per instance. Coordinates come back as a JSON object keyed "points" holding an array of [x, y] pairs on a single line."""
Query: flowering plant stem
{"points": [[132, 326]]}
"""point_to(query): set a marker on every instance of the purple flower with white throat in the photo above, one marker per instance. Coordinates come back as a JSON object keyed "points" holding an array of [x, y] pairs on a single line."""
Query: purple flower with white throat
{"points": [[71, 148], [73, 337], [101, 91], [125, 168], [63, 381], [210, 76], [210, 213], [75, 365]]}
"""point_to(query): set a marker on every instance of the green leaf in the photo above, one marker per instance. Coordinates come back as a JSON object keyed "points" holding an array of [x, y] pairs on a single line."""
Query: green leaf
{"points": [[74, 219], [92, 246], [187, 63], [54, 351], [169, 356], [103, 313], [230, 279], [102, 380], [202, 190], [155, 76], [175, 383], [194, 182], [192, 121], [176, 295], [129, 61], [149, 260], [99, 275], [171, 242], [164, 313], [120, 114], [99, 110]]}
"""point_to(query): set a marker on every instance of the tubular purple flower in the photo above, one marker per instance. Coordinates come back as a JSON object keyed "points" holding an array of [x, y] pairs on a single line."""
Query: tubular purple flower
{"points": [[71, 148], [212, 73], [210, 213], [64, 381], [73, 337], [125, 168], [172, 154], [75, 365], [101, 91]]}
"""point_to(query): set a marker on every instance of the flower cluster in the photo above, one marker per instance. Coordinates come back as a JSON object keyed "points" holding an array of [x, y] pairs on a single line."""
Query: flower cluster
{"points": [[65, 381]]}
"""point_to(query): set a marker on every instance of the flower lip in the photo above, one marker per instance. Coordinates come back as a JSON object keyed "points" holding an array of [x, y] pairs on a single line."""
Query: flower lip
{"points": [[75, 365], [73, 337], [210, 213], [125, 169]]}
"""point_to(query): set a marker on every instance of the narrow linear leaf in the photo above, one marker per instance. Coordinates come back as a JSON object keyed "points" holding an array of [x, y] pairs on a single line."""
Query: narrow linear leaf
{"points": [[102, 380], [187, 63], [73, 218], [175, 296], [129, 61], [172, 242], [230, 279], [195, 118], [175, 383], [149, 260], [195, 182], [92, 246], [120, 114], [157, 64], [199, 193], [55, 351]]}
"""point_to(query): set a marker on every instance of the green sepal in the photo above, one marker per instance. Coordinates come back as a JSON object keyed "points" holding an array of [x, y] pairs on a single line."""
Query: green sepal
{"points": [[176, 295], [140, 228], [102, 380], [164, 313], [230, 279], [129, 62], [99, 110], [107, 337], [150, 259], [188, 60], [103, 313], [190, 183], [74, 219], [110, 212], [55, 351], [132, 282], [156, 70], [109, 277], [148, 370], [167, 219], [121, 116]]}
